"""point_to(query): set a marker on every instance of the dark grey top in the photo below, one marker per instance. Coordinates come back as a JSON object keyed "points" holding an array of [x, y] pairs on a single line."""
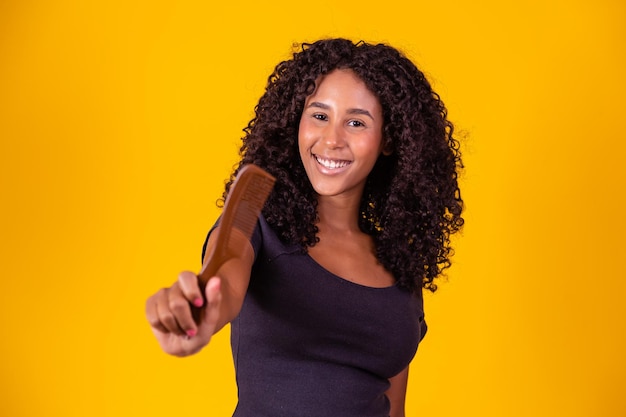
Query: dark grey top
{"points": [[310, 343]]}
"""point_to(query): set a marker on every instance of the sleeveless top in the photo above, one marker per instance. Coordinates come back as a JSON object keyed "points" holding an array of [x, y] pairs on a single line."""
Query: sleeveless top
{"points": [[308, 343]]}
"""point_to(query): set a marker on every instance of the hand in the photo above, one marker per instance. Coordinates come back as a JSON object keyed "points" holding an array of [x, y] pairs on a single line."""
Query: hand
{"points": [[169, 313]]}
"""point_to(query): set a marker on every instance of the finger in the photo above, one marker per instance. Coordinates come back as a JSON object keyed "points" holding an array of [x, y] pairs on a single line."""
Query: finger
{"points": [[165, 313], [181, 311], [152, 314], [211, 314], [190, 287]]}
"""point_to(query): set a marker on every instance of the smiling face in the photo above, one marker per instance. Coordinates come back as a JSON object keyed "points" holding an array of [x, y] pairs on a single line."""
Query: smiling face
{"points": [[340, 135]]}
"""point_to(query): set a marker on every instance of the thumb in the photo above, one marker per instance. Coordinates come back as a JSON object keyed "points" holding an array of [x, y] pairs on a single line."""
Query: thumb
{"points": [[211, 313]]}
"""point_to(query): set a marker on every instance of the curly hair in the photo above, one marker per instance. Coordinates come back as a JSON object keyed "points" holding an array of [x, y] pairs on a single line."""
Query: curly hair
{"points": [[411, 204]]}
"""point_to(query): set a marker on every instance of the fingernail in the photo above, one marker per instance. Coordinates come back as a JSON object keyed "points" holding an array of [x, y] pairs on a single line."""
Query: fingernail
{"points": [[191, 333], [198, 302]]}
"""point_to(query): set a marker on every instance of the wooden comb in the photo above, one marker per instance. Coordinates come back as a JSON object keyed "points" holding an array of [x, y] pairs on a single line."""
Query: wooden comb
{"points": [[244, 202]]}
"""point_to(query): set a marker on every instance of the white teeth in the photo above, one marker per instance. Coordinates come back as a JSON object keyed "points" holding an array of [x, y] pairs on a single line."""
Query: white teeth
{"points": [[331, 164]]}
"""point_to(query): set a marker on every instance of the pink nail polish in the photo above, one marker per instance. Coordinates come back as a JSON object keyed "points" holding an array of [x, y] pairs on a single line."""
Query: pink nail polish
{"points": [[198, 302], [191, 333]]}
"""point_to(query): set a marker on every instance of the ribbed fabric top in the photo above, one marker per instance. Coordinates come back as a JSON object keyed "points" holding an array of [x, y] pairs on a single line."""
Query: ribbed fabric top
{"points": [[308, 343]]}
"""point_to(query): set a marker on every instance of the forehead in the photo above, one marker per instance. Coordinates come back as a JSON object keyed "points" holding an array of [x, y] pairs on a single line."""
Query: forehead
{"points": [[343, 85]]}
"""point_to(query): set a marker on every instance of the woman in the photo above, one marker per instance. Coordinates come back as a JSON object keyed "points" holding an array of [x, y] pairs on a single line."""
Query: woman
{"points": [[325, 302]]}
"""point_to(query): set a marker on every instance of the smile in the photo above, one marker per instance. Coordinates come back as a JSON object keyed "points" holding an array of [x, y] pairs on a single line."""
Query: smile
{"points": [[331, 163]]}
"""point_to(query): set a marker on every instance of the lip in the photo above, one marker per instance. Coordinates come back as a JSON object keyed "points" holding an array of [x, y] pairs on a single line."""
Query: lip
{"points": [[330, 166]]}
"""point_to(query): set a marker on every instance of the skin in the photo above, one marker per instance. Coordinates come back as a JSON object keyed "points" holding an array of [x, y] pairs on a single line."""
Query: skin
{"points": [[169, 310], [342, 124], [340, 139]]}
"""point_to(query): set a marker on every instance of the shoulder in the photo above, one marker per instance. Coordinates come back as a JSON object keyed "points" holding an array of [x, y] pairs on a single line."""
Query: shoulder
{"points": [[265, 240]]}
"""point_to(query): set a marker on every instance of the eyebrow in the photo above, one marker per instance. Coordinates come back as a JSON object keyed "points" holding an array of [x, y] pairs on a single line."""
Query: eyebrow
{"points": [[324, 106]]}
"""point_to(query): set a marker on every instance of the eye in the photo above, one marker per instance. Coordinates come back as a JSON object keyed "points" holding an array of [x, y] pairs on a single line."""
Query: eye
{"points": [[320, 116], [356, 123]]}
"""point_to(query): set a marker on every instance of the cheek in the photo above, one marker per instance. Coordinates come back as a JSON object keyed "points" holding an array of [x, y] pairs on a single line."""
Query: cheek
{"points": [[371, 147], [304, 135], [302, 143]]}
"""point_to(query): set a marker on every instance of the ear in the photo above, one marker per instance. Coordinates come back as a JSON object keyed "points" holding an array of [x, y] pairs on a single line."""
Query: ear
{"points": [[387, 148]]}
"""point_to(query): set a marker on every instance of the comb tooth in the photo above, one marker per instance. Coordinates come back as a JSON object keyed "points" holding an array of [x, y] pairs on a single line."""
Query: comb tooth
{"points": [[252, 201], [263, 186], [256, 201], [247, 215]]}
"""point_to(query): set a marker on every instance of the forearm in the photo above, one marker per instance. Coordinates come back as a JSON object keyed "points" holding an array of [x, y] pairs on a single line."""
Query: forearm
{"points": [[234, 275], [231, 303], [397, 393]]}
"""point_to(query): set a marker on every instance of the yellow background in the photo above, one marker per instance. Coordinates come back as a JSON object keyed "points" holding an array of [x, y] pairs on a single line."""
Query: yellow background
{"points": [[119, 122]]}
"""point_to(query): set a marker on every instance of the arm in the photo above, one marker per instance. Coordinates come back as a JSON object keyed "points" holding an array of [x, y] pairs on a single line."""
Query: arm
{"points": [[169, 310], [397, 393]]}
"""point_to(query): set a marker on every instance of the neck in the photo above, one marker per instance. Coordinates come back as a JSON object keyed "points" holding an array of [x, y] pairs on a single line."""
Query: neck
{"points": [[338, 215]]}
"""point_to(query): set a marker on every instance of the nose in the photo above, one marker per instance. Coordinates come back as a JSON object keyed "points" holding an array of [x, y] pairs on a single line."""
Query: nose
{"points": [[334, 136]]}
